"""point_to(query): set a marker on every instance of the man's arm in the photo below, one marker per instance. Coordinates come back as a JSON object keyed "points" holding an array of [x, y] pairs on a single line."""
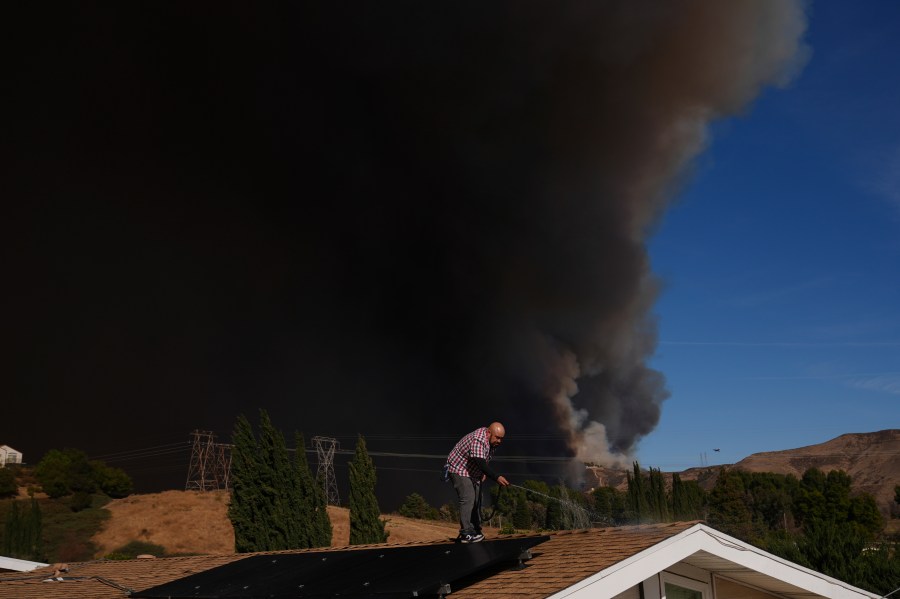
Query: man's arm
{"points": [[483, 466]]}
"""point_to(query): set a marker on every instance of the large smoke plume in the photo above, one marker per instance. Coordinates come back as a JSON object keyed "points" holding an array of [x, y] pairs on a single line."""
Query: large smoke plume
{"points": [[375, 216]]}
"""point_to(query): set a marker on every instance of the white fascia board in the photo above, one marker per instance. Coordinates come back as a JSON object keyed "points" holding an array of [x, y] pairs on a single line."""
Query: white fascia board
{"points": [[613, 580], [766, 563], [19, 565]]}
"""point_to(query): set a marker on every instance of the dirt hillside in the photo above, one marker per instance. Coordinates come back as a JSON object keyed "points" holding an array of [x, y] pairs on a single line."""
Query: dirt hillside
{"points": [[195, 522], [871, 459]]}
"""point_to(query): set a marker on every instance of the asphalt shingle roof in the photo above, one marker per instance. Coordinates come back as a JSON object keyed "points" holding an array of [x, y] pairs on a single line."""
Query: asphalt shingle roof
{"points": [[565, 559]]}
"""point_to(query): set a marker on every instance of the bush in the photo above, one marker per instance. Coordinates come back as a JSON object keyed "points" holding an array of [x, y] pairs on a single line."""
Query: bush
{"points": [[135, 548], [80, 501], [415, 506], [112, 481], [8, 486], [63, 472]]}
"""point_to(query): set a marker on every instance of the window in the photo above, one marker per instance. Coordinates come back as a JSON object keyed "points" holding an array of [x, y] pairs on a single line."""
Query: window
{"points": [[679, 587]]}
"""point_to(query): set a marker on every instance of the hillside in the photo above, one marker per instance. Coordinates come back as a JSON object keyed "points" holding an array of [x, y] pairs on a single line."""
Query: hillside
{"points": [[871, 459], [195, 522]]}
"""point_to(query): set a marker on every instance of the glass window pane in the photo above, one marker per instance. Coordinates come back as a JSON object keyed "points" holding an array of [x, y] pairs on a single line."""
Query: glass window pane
{"points": [[676, 592]]}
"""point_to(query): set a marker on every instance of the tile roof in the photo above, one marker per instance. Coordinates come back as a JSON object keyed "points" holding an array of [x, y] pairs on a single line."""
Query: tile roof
{"points": [[569, 557], [565, 559]]}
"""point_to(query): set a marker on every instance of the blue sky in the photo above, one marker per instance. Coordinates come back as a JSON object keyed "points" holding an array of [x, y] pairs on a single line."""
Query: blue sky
{"points": [[779, 322]]}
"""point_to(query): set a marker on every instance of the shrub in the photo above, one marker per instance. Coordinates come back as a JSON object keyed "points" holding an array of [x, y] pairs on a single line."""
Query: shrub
{"points": [[415, 506], [8, 486], [80, 501], [135, 548]]}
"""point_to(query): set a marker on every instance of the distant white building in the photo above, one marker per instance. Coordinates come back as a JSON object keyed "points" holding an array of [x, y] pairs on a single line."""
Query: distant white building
{"points": [[8, 455]]}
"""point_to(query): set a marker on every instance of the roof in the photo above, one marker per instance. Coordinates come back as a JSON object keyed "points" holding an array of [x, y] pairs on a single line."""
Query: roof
{"points": [[596, 564], [18, 565]]}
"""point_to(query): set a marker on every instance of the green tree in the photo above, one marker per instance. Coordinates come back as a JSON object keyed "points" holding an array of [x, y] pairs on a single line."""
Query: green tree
{"points": [[610, 505], [366, 525], [728, 506], [280, 494], [311, 494], [638, 503], [23, 534], [657, 498], [246, 510], [12, 531], [62, 472], [415, 506], [522, 515], [540, 491], [113, 482], [8, 486]]}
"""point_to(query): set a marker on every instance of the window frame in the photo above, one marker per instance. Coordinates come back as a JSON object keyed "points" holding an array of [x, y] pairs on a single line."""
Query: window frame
{"points": [[690, 584]]}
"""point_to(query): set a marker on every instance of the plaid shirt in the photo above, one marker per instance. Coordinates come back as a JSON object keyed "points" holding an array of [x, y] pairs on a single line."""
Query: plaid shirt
{"points": [[473, 445]]}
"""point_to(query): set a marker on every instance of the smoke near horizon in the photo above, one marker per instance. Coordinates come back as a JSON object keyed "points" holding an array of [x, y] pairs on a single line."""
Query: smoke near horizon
{"points": [[373, 217]]}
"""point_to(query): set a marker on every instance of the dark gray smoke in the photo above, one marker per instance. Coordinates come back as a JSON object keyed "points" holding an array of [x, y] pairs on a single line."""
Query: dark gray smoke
{"points": [[403, 217]]}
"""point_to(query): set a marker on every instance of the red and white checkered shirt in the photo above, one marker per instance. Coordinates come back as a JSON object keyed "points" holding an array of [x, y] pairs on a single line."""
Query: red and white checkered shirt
{"points": [[473, 445]]}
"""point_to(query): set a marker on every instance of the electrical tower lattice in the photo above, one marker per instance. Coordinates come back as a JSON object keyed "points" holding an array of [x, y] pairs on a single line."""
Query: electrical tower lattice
{"points": [[210, 467], [325, 448]]}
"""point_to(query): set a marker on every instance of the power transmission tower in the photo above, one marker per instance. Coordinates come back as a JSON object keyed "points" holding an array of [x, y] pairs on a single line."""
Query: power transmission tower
{"points": [[325, 448], [202, 471], [223, 465]]}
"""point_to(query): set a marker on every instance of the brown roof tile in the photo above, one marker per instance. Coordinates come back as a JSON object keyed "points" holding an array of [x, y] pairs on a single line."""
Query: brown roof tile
{"points": [[569, 557], [565, 559]]}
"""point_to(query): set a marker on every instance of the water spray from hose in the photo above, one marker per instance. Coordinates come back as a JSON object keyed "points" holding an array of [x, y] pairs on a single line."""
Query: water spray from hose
{"points": [[576, 515]]}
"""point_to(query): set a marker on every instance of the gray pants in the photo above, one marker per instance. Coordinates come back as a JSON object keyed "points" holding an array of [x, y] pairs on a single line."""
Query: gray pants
{"points": [[468, 492]]}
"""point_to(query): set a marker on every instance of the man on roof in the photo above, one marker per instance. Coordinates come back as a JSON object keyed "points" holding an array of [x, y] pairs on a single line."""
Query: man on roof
{"points": [[468, 468]]}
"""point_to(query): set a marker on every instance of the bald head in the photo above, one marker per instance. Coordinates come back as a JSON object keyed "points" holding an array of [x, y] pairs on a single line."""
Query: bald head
{"points": [[496, 433]]}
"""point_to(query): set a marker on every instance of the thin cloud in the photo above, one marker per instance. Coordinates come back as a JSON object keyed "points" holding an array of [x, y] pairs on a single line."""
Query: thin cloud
{"points": [[825, 377], [884, 383], [886, 182], [775, 294]]}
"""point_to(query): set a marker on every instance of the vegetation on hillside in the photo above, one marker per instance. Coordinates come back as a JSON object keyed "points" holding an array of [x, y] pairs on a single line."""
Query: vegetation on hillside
{"points": [[815, 521], [275, 502], [68, 471], [65, 534], [60, 526]]}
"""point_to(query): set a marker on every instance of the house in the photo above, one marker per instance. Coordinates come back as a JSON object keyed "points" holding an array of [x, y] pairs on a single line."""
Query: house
{"points": [[8, 455], [683, 560]]}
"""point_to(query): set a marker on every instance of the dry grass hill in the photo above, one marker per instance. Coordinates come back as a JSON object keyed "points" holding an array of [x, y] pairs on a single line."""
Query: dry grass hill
{"points": [[871, 459], [195, 522]]}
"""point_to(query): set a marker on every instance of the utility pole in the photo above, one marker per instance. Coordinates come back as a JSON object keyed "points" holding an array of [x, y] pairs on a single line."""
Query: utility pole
{"points": [[202, 470], [210, 467], [223, 465], [325, 448]]}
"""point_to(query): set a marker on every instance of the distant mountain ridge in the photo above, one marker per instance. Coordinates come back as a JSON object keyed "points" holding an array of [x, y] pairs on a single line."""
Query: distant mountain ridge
{"points": [[871, 459]]}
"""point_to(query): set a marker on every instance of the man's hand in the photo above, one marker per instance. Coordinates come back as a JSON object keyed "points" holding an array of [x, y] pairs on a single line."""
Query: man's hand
{"points": [[501, 480]]}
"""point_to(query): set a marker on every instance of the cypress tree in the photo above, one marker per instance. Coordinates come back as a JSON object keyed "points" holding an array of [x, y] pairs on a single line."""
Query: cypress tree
{"points": [[678, 499], [658, 500], [637, 495], [311, 504], [366, 525], [13, 531], [32, 537], [522, 517], [279, 493], [245, 509]]}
